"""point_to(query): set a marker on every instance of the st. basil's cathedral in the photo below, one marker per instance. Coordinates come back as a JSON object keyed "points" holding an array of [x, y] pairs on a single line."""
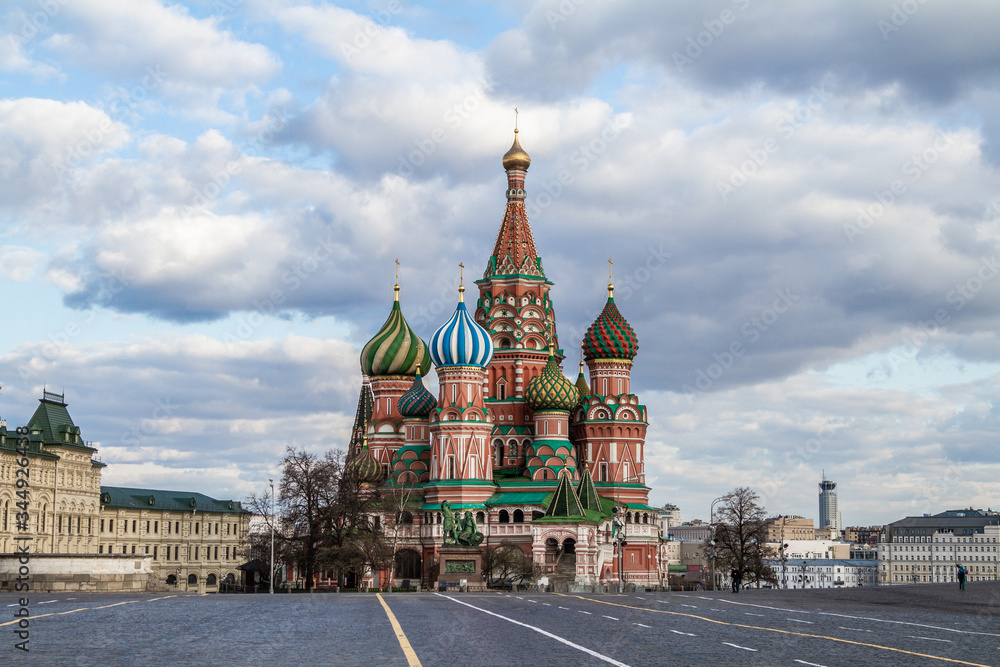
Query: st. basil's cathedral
{"points": [[539, 461]]}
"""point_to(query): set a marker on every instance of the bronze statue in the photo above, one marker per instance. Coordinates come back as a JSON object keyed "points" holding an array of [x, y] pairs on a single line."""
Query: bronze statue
{"points": [[462, 531]]}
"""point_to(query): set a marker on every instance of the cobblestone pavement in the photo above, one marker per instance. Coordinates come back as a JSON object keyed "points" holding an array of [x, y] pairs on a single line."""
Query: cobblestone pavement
{"points": [[906, 625]]}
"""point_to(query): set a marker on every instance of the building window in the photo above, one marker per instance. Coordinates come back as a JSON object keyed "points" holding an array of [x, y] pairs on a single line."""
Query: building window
{"points": [[156, 526], [124, 549], [133, 525], [111, 525], [196, 527], [147, 527], [100, 549], [102, 525], [155, 550], [451, 467], [216, 553], [196, 553]]}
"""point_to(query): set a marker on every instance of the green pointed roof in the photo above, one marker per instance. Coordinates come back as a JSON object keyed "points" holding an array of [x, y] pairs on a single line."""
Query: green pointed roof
{"points": [[587, 492], [366, 404], [552, 390], [52, 421], [396, 349], [564, 501]]}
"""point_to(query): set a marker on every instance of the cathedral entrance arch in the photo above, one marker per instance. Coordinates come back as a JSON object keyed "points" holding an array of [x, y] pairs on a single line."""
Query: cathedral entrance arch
{"points": [[569, 546]]}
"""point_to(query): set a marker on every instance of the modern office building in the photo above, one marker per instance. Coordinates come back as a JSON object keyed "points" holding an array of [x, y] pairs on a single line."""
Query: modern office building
{"points": [[828, 514]]}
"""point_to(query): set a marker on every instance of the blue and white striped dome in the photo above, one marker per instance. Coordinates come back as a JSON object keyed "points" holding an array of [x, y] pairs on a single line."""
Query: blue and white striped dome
{"points": [[461, 342]]}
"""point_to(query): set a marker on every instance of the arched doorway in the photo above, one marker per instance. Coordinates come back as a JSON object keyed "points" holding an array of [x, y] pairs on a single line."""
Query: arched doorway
{"points": [[569, 546], [172, 579], [407, 564]]}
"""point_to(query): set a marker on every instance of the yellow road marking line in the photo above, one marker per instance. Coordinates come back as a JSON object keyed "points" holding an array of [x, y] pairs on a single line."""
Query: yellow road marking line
{"points": [[404, 643], [784, 632], [73, 611]]}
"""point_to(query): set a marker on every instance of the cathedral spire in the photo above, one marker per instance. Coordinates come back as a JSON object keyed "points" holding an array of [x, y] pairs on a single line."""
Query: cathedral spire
{"points": [[514, 252], [362, 418]]}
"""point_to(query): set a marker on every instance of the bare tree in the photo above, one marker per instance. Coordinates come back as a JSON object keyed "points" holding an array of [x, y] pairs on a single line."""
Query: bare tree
{"points": [[398, 504], [741, 536], [307, 499], [507, 563]]}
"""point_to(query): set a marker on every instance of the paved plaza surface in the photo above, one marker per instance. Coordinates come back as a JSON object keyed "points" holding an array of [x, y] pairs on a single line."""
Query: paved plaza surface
{"points": [[904, 625]]}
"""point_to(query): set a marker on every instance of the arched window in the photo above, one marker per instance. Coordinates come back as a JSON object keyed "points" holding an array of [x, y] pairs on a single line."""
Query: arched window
{"points": [[480, 517], [451, 467], [192, 579], [498, 452], [406, 518], [504, 517], [518, 516], [512, 449], [211, 580], [172, 579]]}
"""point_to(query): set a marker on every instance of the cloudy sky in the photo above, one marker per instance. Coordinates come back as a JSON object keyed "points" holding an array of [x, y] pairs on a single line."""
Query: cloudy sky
{"points": [[201, 202]]}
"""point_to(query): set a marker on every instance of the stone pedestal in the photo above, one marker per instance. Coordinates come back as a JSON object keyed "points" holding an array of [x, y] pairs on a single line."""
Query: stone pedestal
{"points": [[458, 564]]}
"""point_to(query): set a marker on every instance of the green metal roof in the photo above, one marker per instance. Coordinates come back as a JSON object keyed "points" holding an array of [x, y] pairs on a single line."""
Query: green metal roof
{"points": [[640, 506], [117, 497], [518, 498]]}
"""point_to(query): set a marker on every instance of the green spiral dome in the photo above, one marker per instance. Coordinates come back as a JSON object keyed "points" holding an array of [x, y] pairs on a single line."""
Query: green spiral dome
{"points": [[396, 349]]}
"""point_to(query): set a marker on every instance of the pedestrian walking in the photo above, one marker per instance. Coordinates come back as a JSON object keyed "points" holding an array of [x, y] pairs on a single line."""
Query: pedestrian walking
{"points": [[961, 577], [735, 577]]}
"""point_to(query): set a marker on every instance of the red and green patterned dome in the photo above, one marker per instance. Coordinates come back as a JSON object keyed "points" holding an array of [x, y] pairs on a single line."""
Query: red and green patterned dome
{"points": [[396, 349], [417, 401], [552, 390], [365, 466], [610, 336]]}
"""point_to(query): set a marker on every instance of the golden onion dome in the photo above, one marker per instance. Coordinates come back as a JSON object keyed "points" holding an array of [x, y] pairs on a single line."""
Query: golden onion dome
{"points": [[516, 158]]}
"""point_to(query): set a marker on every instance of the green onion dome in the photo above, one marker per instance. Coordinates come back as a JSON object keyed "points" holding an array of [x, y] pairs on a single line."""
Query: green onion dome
{"points": [[552, 390], [365, 466], [417, 401], [396, 349], [610, 336]]}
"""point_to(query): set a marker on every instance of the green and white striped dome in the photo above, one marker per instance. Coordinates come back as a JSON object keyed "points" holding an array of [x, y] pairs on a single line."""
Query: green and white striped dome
{"points": [[396, 349]]}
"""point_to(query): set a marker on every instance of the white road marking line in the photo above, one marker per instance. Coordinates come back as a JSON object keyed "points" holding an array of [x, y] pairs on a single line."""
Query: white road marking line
{"points": [[639, 598], [13, 605], [799, 620], [811, 664], [540, 631], [546, 604], [752, 614], [48, 602], [566, 608], [678, 632], [764, 606], [745, 648], [930, 639], [692, 606], [916, 625], [70, 598], [855, 629], [681, 595], [703, 598], [535, 601], [584, 612], [642, 626], [664, 601], [611, 617], [519, 597]]}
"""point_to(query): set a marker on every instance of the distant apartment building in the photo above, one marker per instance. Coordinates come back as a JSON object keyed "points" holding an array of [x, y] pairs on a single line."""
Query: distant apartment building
{"points": [[812, 549], [828, 513], [927, 549], [864, 534], [667, 517], [696, 531], [784, 528], [824, 572]]}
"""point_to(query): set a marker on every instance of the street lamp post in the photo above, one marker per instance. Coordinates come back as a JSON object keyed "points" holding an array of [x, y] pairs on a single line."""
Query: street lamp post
{"points": [[712, 522], [621, 523], [270, 577]]}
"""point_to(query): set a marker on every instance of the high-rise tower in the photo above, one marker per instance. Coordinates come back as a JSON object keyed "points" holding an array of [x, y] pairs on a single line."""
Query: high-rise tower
{"points": [[828, 514]]}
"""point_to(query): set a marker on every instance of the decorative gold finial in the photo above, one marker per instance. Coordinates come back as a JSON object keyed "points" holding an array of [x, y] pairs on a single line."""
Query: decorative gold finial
{"points": [[396, 287], [515, 120], [611, 279], [581, 356], [461, 282]]}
